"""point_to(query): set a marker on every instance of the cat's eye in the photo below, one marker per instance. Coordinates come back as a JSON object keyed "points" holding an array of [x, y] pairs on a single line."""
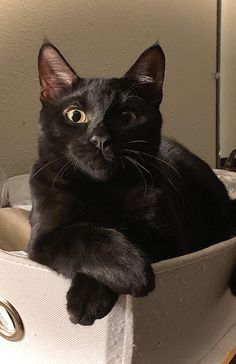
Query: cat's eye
{"points": [[74, 115], [128, 116]]}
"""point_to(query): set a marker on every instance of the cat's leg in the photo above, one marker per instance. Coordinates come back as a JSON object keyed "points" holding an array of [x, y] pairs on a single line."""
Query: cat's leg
{"points": [[88, 300], [104, 254]]}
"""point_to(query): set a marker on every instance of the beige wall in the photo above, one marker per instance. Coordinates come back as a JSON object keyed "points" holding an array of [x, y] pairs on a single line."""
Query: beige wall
{"points": [[228, 78], [103, 38]]}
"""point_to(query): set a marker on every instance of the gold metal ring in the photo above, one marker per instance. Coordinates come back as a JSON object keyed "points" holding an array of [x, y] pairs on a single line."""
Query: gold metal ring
{"points": [[11, 325]]}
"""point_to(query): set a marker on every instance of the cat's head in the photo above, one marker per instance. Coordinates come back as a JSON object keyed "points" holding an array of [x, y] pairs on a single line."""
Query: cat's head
{"points": [[94, 122]]}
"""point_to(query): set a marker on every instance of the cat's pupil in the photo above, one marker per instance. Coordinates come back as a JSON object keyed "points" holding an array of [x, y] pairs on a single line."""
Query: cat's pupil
{"points": [[76, 116]]}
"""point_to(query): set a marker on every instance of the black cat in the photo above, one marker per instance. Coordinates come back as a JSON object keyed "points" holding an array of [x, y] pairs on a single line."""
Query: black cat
{"points": [[110, 195]]}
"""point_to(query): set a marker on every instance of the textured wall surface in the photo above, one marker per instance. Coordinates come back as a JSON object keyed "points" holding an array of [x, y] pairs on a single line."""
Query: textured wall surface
{"points": [[228, 79], [103, 38]]}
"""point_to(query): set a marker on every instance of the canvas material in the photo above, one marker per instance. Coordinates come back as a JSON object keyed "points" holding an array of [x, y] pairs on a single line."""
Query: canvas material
{"points": [[39, 295], [190, 318], [190, 312]]}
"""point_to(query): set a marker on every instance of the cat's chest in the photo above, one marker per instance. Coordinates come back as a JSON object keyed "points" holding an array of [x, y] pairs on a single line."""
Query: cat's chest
{"points": [[118, 207], [140, 206]]}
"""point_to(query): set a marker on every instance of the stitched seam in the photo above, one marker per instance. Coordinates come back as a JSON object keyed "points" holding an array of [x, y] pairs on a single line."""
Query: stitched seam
{"points": [[127, 355], [36, 266]]}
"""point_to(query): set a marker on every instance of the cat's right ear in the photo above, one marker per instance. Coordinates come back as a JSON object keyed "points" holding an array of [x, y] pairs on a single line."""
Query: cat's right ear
{"points": [[55, 74], [148, 73]]}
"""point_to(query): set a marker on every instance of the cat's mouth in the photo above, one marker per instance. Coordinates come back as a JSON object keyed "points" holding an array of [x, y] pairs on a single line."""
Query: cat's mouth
{"points": [[99, 165], [106, 154], [100, 168]]}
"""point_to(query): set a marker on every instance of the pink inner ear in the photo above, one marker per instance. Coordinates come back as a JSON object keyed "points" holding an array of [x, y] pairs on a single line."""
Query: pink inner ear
{"points": [[44, 95], [55, 73], [49, 90]]}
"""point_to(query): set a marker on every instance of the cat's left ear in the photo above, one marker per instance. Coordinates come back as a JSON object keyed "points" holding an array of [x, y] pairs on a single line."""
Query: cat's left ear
{"points": [[55, 74], [148, 72]]}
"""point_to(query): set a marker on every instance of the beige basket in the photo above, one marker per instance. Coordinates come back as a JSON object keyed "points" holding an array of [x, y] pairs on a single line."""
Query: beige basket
{"points": [[189, 319]]}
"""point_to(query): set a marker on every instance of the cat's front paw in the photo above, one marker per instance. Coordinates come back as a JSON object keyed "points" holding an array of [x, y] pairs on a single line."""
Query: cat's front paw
{"points": [[135, 279], [88, 300], [142, 287], [124, 268]]}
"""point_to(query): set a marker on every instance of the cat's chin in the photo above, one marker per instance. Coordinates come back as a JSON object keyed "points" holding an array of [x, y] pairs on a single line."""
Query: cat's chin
{"points": [[101, 175], [97, 171]]}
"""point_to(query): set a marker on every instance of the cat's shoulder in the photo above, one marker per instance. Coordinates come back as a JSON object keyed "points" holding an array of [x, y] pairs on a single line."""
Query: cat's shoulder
{"points": [[189, 168], [174, 151], [183, 160]]}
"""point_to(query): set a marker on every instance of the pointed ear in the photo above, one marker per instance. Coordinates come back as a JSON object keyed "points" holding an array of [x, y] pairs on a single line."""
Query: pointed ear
{"points": [[148, 72], [55, 74]]}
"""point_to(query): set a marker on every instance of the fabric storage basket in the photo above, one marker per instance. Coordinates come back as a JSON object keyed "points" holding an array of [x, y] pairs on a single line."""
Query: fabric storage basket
{"points": [[190, 318]]}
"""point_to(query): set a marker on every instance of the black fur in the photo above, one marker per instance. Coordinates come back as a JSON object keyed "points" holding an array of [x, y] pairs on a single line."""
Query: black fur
{"points": [[111, 195]]}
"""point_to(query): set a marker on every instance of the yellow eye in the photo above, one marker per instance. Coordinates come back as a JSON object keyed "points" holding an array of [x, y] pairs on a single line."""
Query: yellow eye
{"points": [[75, 116]]}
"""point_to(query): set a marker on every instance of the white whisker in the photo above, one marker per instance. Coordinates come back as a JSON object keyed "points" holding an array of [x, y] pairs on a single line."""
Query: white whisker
{"points": [[164, 162], [140, 165], [134, 163], [139, 154], [61, 170], [44, 166]]}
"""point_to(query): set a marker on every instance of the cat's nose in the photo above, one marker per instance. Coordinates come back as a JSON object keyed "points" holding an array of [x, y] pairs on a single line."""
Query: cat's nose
{"points": [[101, 142]]}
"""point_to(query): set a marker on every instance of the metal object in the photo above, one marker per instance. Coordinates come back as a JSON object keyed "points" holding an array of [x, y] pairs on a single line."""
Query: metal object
{"points": [[11, 325], [217, 78], [230, 163]]}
